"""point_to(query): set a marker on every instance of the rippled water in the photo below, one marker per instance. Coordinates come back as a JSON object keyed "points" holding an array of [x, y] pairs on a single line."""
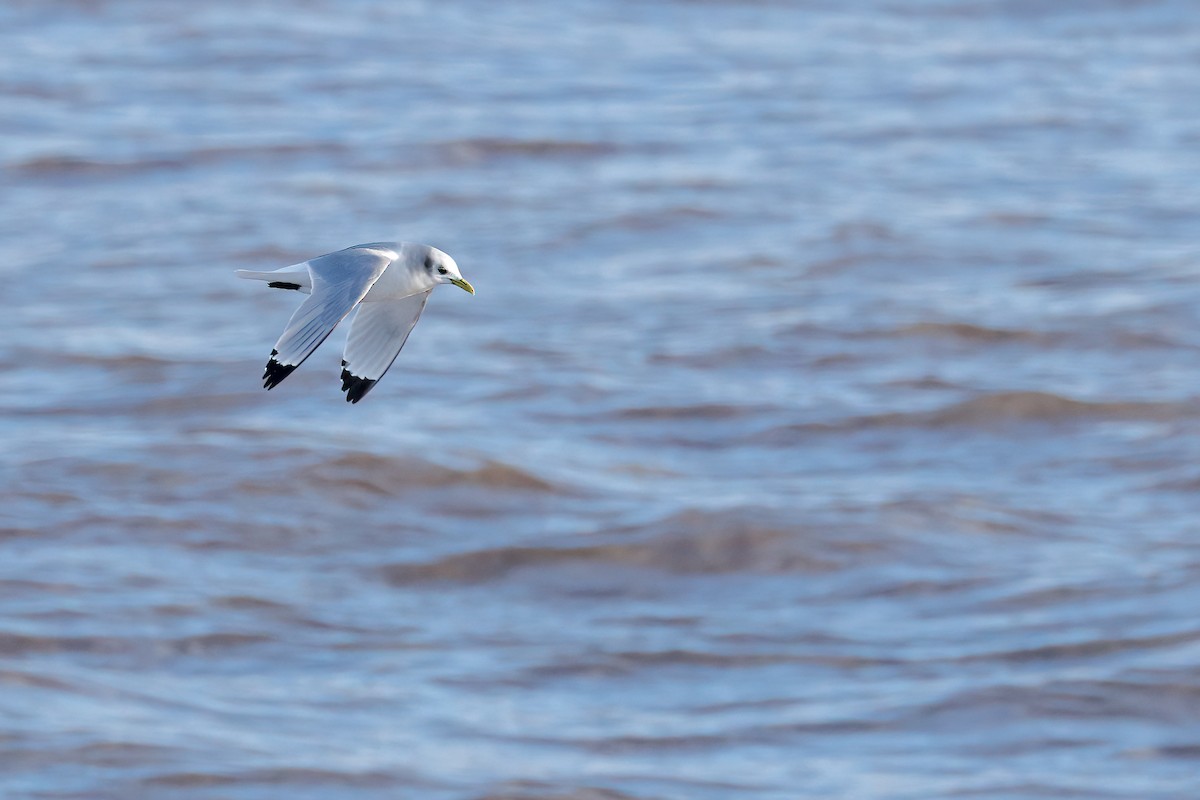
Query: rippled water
{"points": [[825, 425]]}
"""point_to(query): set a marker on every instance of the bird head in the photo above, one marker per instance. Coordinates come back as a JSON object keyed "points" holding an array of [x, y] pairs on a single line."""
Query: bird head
{"points": [[442, 269]]}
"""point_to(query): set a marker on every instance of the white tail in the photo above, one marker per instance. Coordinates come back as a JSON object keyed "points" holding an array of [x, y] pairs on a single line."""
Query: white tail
{"points": [[295, 276]]}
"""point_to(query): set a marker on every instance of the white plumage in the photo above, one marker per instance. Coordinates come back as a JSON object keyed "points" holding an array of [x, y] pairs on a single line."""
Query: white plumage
{"points": [[389, 283]]}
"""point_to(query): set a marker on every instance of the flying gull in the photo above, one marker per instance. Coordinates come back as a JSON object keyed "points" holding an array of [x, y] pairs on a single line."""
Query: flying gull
{"points": [[388, 282]]}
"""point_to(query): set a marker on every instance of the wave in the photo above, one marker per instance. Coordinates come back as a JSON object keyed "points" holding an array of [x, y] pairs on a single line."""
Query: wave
{"points": [[12, 677], [121, 754], [982, 334], [991, 410], [19, 644], [689, 543], [112, 361], [22, 644], [1071, 651], [647, 220], [703, 411], [1044, 406], [966, 331], [57, 166], [277, 776], [383, 475], [1160, 702], [485, 147], [62, 165]]}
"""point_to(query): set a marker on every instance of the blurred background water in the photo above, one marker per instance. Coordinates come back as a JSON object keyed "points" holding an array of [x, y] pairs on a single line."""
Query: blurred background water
{"points": [[825, 424]]}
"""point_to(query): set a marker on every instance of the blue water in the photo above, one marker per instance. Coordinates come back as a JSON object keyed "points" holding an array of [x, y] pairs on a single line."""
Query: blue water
{"points": [[824, 425]]}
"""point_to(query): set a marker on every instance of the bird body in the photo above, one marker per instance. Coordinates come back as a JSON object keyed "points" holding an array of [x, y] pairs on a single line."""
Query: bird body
{"points": [[388, 282]]}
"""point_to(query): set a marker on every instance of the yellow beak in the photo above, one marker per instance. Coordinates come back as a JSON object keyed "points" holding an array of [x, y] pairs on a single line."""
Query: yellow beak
{"points": [[462, 284]]}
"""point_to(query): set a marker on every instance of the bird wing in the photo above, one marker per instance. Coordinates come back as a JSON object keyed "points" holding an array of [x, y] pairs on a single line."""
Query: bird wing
{"points": [[339, 282], [379, 331]]}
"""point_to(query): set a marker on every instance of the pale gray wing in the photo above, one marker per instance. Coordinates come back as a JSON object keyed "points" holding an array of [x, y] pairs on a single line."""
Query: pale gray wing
{"points": [[379, 331], [339, 281]]}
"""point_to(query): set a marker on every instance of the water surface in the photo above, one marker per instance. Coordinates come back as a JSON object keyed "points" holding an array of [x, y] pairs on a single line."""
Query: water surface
{"points": [[825, 424]]}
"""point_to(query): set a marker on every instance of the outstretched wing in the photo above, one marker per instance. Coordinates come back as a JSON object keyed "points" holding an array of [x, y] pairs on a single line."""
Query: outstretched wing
{"points": [[339, 281], [379, 331]]}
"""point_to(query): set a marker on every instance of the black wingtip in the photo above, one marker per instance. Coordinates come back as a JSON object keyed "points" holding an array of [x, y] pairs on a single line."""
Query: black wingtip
{"points": [[283, 285], [355, 388], [275, 372]]}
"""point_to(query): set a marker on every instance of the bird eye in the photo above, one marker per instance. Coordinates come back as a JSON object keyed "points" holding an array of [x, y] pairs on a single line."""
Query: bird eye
{"points": [[441, 270]]}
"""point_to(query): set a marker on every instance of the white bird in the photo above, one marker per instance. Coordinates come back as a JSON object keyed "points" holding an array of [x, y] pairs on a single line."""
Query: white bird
{"points": [[389, 282]]}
